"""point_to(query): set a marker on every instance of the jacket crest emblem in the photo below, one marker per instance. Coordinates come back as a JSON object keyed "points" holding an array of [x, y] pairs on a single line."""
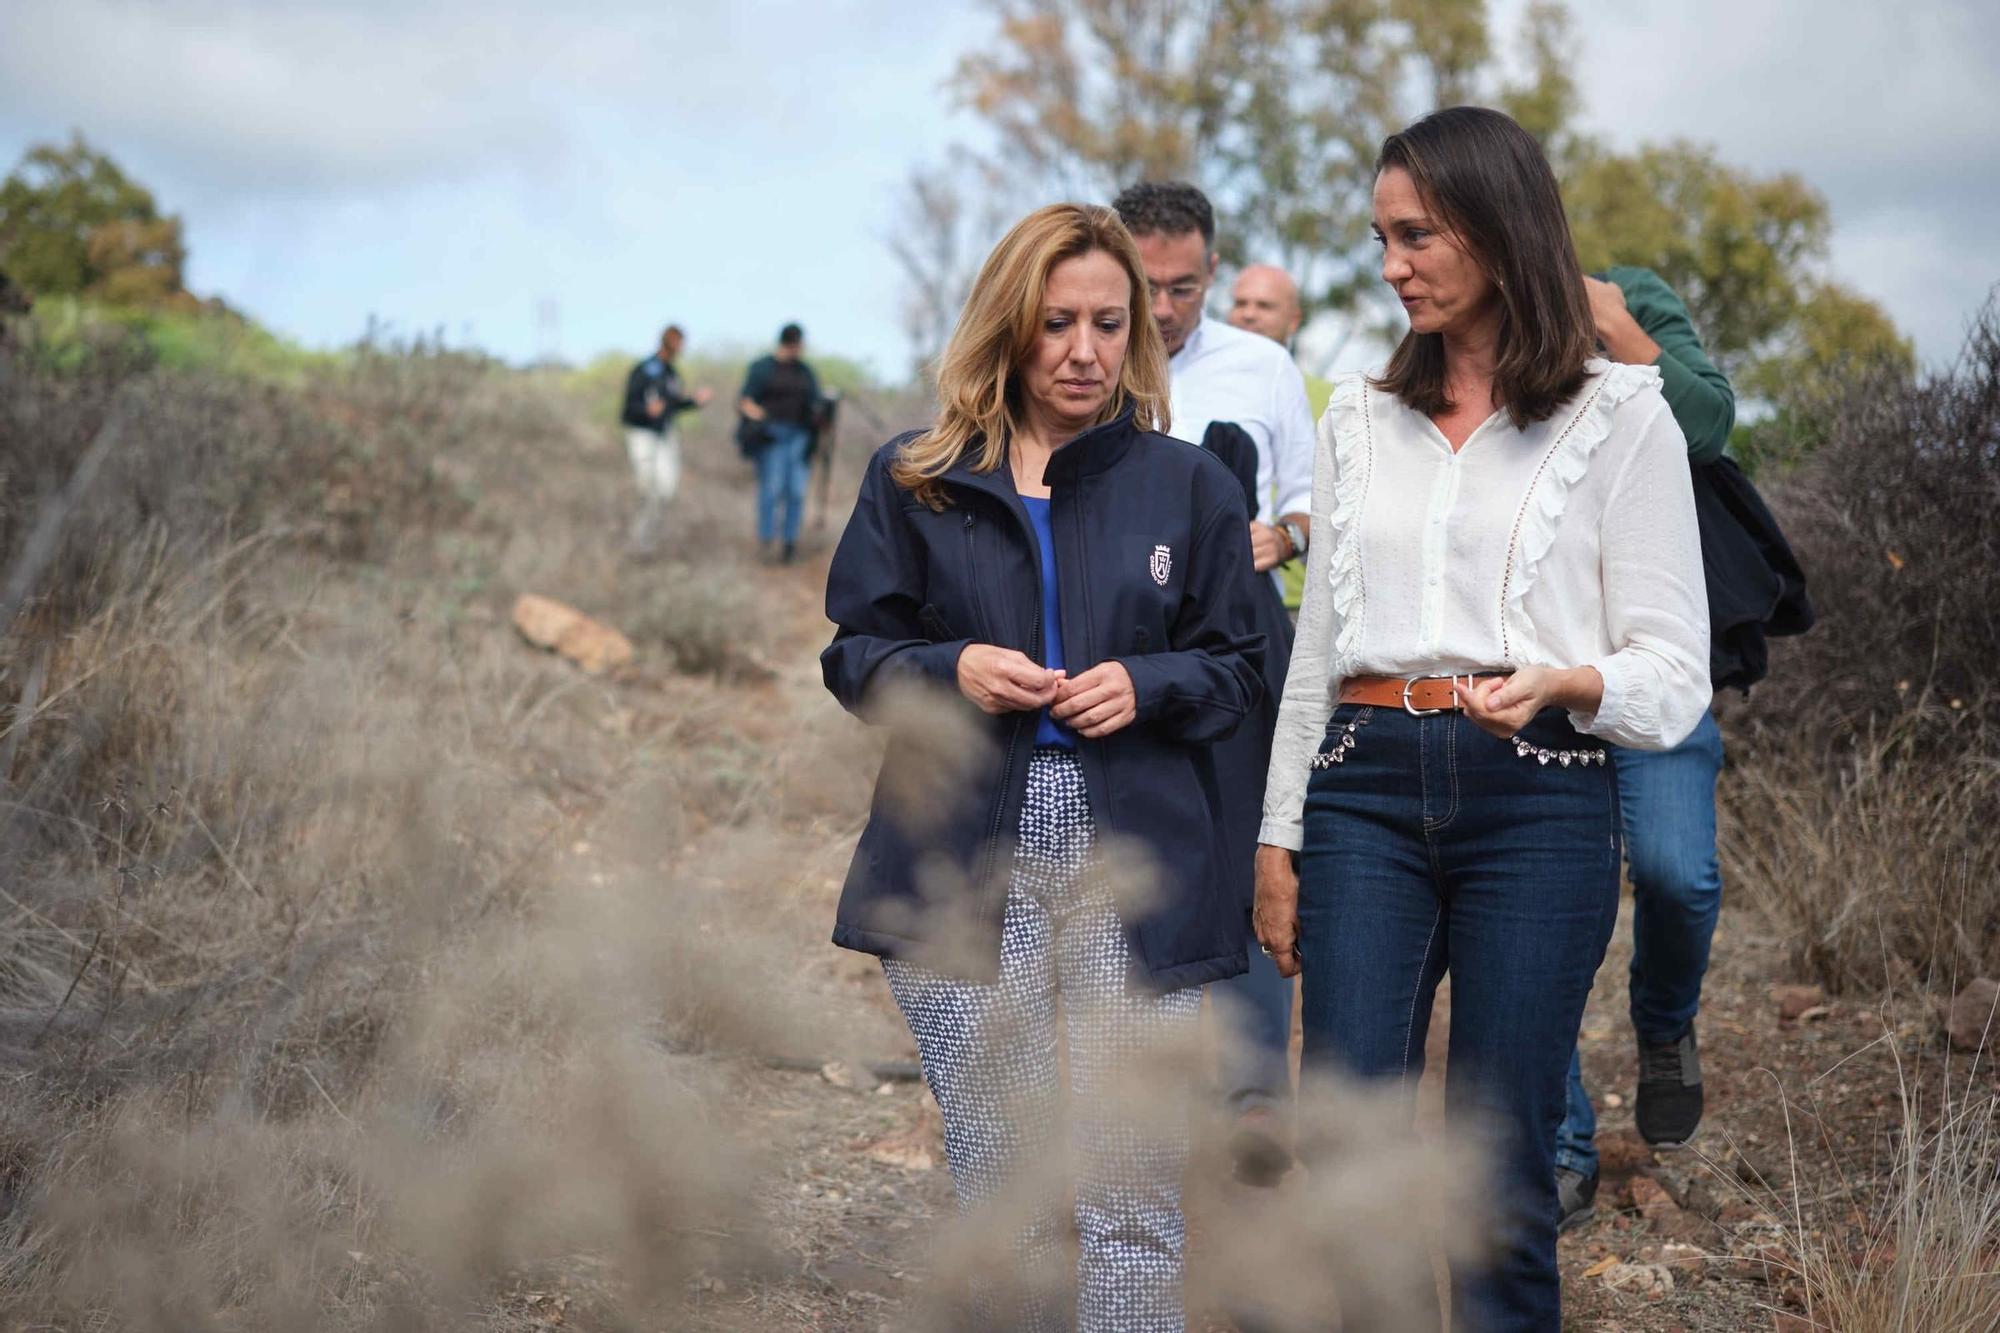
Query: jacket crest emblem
{"points": [[1162, 564]]}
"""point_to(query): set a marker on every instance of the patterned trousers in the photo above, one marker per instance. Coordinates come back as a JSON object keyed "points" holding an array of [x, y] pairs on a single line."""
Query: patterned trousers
{"points": [[990, 1056]]}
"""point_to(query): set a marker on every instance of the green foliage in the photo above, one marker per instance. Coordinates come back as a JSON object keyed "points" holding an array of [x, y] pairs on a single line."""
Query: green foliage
{"points": [[68, 333], [1739, 249], [1836, 337], [1546, 104], [73, 224]]}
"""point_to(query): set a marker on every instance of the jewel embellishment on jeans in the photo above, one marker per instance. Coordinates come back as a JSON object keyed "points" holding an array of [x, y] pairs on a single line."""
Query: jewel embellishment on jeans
{"points": [[1162, 564], [1341, 745], [1542, 754]]}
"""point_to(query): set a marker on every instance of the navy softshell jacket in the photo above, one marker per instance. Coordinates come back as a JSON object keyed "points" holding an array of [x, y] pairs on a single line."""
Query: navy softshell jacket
{"points": [[1153, 554]]}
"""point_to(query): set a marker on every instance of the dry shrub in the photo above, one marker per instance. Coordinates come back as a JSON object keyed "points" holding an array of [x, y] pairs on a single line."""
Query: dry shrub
{"points": [[319, 1020], [702, 620], [1918, 1249], [1861, 797]]}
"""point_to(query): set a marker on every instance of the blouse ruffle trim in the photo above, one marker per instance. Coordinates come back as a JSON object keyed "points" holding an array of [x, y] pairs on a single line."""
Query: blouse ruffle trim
{"points": [[1353, 462], [1565, 467]]}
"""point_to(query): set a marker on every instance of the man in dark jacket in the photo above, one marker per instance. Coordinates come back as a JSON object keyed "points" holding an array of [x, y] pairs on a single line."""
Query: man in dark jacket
{"points": [[1667, 797], [781, 394], [654, 396]]}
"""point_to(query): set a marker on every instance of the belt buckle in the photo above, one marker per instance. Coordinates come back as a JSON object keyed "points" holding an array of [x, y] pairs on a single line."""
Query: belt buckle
{"points": [[1411, 708]]}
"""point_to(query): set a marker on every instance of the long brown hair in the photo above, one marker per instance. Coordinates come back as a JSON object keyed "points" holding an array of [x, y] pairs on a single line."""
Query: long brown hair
{"points": [[1489, 188], [978, 391]]}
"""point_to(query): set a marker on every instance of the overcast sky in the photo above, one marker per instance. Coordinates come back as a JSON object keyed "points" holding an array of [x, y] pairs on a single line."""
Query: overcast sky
{"points": [[446, 164]]}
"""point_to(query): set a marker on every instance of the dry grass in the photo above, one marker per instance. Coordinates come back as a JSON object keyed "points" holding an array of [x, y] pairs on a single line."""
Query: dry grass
{"points": [[315, 1016], [1860, 1249], [1862, 794]]}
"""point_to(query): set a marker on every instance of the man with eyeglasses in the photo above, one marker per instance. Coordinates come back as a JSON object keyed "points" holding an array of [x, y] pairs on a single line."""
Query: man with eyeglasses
{"points": [[1230, 380]]}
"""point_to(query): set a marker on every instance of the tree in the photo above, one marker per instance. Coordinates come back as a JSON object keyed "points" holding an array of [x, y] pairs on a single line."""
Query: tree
{"points": [[1276, 108], [1738, 248], [938, 239], [73, 223]]}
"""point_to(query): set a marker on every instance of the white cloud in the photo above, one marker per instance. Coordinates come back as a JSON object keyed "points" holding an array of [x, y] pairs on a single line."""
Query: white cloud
{"points": [[1887, 110]]}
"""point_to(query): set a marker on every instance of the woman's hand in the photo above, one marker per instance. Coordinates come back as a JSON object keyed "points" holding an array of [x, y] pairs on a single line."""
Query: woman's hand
{"points": [[1098, 702], [1276, 914], [1002, 680], [1502, 705]]}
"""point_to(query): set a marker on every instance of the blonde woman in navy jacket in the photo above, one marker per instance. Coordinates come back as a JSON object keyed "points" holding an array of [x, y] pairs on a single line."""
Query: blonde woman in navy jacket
{"points": [[1073, 578]]}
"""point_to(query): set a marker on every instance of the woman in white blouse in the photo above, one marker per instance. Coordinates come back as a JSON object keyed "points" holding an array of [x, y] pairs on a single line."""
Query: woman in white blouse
{"points": [[1505, 575]]}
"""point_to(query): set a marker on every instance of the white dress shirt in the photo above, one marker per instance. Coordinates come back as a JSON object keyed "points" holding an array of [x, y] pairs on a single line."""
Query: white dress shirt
{"points": [[1222, 373], [1571, 543]]}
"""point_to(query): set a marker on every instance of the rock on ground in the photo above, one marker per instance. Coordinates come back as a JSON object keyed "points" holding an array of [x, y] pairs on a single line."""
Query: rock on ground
{"points": [[591, 644]]}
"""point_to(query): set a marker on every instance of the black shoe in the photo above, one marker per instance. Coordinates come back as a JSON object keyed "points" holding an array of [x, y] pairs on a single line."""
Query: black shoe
{"points": [[1576, 1198], [791, 553], [1669, 1106]]}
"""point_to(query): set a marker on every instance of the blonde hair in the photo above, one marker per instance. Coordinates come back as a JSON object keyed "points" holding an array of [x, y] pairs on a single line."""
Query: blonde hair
{"points": [[978, 392]]}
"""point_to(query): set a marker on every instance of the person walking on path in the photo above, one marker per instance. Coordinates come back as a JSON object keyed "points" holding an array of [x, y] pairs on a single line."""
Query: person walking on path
{"points": [[654, 397], [1071, 576], [1265, 301], [781, 394], [1224, 376], [1667, 797], [1507, 580]]}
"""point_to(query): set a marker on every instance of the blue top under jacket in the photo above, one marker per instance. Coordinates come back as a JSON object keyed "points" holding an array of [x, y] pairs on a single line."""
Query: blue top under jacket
{"points": [[1049, 731]]}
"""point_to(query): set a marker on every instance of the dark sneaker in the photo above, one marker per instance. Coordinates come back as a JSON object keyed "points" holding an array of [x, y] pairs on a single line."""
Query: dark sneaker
{"points": [[1669, 1106], [1259, 1147], [1576, 1198], [791, 553]]}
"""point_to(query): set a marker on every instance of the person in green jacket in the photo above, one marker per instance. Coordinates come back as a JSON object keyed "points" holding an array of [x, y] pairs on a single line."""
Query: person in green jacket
{"points": [[1667, 797]]}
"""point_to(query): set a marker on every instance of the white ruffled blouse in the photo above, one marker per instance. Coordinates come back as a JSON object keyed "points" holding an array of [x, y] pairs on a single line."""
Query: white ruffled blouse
{"points": [[1570, 543]]}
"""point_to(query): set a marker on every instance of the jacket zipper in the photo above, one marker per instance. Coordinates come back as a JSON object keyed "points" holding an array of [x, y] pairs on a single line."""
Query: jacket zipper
{"points": [[1089, 619], [972, 572]]}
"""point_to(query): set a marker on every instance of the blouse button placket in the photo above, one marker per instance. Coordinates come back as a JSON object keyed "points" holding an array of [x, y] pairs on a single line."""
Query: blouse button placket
{"points": [[1437, 534]]}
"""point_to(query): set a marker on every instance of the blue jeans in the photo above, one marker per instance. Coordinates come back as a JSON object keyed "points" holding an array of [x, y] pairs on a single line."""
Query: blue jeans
{"points": [[1436, 848], [1668, 807], [781, 482]]}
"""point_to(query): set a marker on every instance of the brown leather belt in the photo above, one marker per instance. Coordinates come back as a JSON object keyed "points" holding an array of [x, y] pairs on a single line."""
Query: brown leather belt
{"points": [[1419, 695]]}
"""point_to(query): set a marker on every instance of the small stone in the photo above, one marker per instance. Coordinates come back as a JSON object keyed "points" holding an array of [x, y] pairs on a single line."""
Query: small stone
{"points": [[1651, 1281], [837, 1072], [1974, 1016], [591, 644], [1652, 1201], [1795, 1000], [1622, 1151], [1752, 1169], [1613, 1100]]}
